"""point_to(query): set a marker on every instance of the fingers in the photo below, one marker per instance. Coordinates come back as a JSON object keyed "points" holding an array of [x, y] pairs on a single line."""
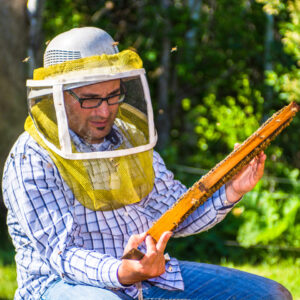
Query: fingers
{"points": [[261, 164], [150, 245], [260, 157], [160, 247], [134, 241], [151, 265], [258, 161]]}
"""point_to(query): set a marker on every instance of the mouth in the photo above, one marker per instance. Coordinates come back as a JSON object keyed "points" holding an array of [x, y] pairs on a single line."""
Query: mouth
{"points": [[99, 124]]}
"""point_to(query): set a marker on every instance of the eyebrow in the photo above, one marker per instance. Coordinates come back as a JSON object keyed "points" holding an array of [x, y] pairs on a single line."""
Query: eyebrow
{"points": [[90, 95]]}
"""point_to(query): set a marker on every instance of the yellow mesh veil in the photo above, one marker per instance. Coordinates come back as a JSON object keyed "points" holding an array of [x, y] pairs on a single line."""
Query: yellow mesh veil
{"points": [[106, 183], [100, 64]]}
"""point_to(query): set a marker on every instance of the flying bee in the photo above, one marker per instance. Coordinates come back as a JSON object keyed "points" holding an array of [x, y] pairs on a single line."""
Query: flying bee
{"points": [[26, 59], [174, 49]]}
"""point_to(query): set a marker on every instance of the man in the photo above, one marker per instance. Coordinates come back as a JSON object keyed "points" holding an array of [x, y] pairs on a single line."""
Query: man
{"points": [[82, 186]]}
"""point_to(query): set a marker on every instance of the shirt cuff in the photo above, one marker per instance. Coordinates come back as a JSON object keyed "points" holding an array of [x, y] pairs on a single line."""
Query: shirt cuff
{"points": [[220, 199], [109, 274]]}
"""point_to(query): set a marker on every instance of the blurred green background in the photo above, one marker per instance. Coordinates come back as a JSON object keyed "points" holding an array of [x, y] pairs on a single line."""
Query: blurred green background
{"points": [[217, 70]]}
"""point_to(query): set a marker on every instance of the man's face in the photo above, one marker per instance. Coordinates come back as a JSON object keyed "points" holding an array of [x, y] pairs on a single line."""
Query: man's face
{"points": [[92, 124]]}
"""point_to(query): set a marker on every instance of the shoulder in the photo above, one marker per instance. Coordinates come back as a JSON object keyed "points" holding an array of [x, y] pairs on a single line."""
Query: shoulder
{"points": [[25, 154], [160, 169], [29, 171], [26, 145]]}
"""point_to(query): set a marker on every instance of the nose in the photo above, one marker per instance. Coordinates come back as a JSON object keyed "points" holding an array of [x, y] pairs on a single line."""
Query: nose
{"points": [[102, 110]]}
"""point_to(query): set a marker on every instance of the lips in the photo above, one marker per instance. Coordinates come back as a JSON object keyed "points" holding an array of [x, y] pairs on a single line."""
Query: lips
{"points": [[98, 123]]}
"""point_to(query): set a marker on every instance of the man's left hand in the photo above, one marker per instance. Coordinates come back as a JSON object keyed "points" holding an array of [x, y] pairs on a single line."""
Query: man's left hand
{"points": [[246, 179]]}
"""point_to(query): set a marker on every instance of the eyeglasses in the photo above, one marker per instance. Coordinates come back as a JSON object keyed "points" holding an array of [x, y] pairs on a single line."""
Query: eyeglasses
{"points": [[93, 102]]}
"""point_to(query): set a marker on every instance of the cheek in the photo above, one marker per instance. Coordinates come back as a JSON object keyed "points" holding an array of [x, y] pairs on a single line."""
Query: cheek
{"points": [[114, 111], [70, 113], [74, 115]]}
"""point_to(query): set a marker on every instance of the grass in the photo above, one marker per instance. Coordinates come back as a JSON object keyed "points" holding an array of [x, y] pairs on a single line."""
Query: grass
{"points": [[8, 282], [285, 272]]}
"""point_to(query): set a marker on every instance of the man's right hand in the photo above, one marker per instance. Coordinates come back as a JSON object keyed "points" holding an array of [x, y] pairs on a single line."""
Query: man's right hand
{"points": [[151, 265]]}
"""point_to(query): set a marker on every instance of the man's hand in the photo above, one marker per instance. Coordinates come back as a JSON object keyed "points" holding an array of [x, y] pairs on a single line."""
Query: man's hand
{"points": [[246, 179], [151, 265]]}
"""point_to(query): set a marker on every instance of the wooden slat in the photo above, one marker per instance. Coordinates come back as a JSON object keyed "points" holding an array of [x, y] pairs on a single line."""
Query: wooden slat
{"points": [[222, 172]]}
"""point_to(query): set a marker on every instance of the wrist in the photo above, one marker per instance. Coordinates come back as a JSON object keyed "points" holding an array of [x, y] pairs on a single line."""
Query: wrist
{"points": [[120, 275], [232, 195], [126, 275]]}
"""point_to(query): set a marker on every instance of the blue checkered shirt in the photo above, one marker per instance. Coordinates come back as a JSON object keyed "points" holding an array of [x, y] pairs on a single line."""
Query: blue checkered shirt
{"points": [[56, 237]]}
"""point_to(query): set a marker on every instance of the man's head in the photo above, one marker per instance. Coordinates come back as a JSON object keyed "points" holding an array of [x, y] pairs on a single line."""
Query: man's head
{"points": [[81, 88]]}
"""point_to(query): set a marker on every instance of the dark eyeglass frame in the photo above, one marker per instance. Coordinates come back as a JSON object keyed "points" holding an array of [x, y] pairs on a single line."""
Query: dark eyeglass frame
{"points": [[101, 99]]}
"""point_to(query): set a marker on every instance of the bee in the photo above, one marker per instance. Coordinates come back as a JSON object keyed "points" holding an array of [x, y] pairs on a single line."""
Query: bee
{"points": [[26, 59], [174, 49], [194, 201]]}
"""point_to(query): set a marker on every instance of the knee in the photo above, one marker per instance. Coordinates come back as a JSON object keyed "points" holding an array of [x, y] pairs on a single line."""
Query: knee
{"points": [[279, 293]]}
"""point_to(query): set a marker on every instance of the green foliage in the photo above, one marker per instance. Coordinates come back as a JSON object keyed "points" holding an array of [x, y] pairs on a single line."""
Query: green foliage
{"points": [[8, 281], [286, 81], [289, 267], [272, 7], [217, 128], [272, 214], [62, 15], [221, 90]]}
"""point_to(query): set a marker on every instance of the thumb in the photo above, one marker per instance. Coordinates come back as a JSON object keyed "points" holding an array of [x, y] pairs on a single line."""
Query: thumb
{"points": [[162, 242]]}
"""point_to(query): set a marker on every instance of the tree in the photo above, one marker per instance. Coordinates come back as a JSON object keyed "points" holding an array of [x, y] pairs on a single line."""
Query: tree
{"points": [[234, 63], [15, 27], [14, 41]]}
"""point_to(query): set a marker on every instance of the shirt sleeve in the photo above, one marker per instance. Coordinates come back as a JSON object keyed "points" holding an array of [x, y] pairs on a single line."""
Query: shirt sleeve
{"points": [[167, 191], [38, 197]]}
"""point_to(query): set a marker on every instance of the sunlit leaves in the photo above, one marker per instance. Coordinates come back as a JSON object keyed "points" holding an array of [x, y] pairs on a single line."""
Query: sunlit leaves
{"points": [[217, 86], [270, 218], [186, 104], [272, 7]]}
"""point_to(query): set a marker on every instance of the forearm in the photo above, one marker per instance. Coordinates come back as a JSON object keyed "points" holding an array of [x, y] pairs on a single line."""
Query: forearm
{"points": [[87, 267], [207, 215]]}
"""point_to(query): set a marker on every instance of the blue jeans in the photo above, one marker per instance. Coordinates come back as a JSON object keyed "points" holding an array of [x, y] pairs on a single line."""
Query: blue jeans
{"points": [[202, 281]]}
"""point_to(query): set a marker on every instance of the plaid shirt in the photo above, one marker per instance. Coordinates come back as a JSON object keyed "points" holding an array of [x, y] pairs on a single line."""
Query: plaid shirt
{"points": [[56, 237]]}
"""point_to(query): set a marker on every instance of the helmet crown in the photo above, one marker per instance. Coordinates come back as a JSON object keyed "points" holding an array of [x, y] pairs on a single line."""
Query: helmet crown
{"points": [[78, 43]]}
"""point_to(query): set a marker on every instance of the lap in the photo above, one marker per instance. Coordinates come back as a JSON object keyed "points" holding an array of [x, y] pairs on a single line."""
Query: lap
{"points": [[205, 281], [202, 281]]}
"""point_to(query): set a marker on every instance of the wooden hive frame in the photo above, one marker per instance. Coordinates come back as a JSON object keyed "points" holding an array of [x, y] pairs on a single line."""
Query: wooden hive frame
{"points": [[219, 175]]}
